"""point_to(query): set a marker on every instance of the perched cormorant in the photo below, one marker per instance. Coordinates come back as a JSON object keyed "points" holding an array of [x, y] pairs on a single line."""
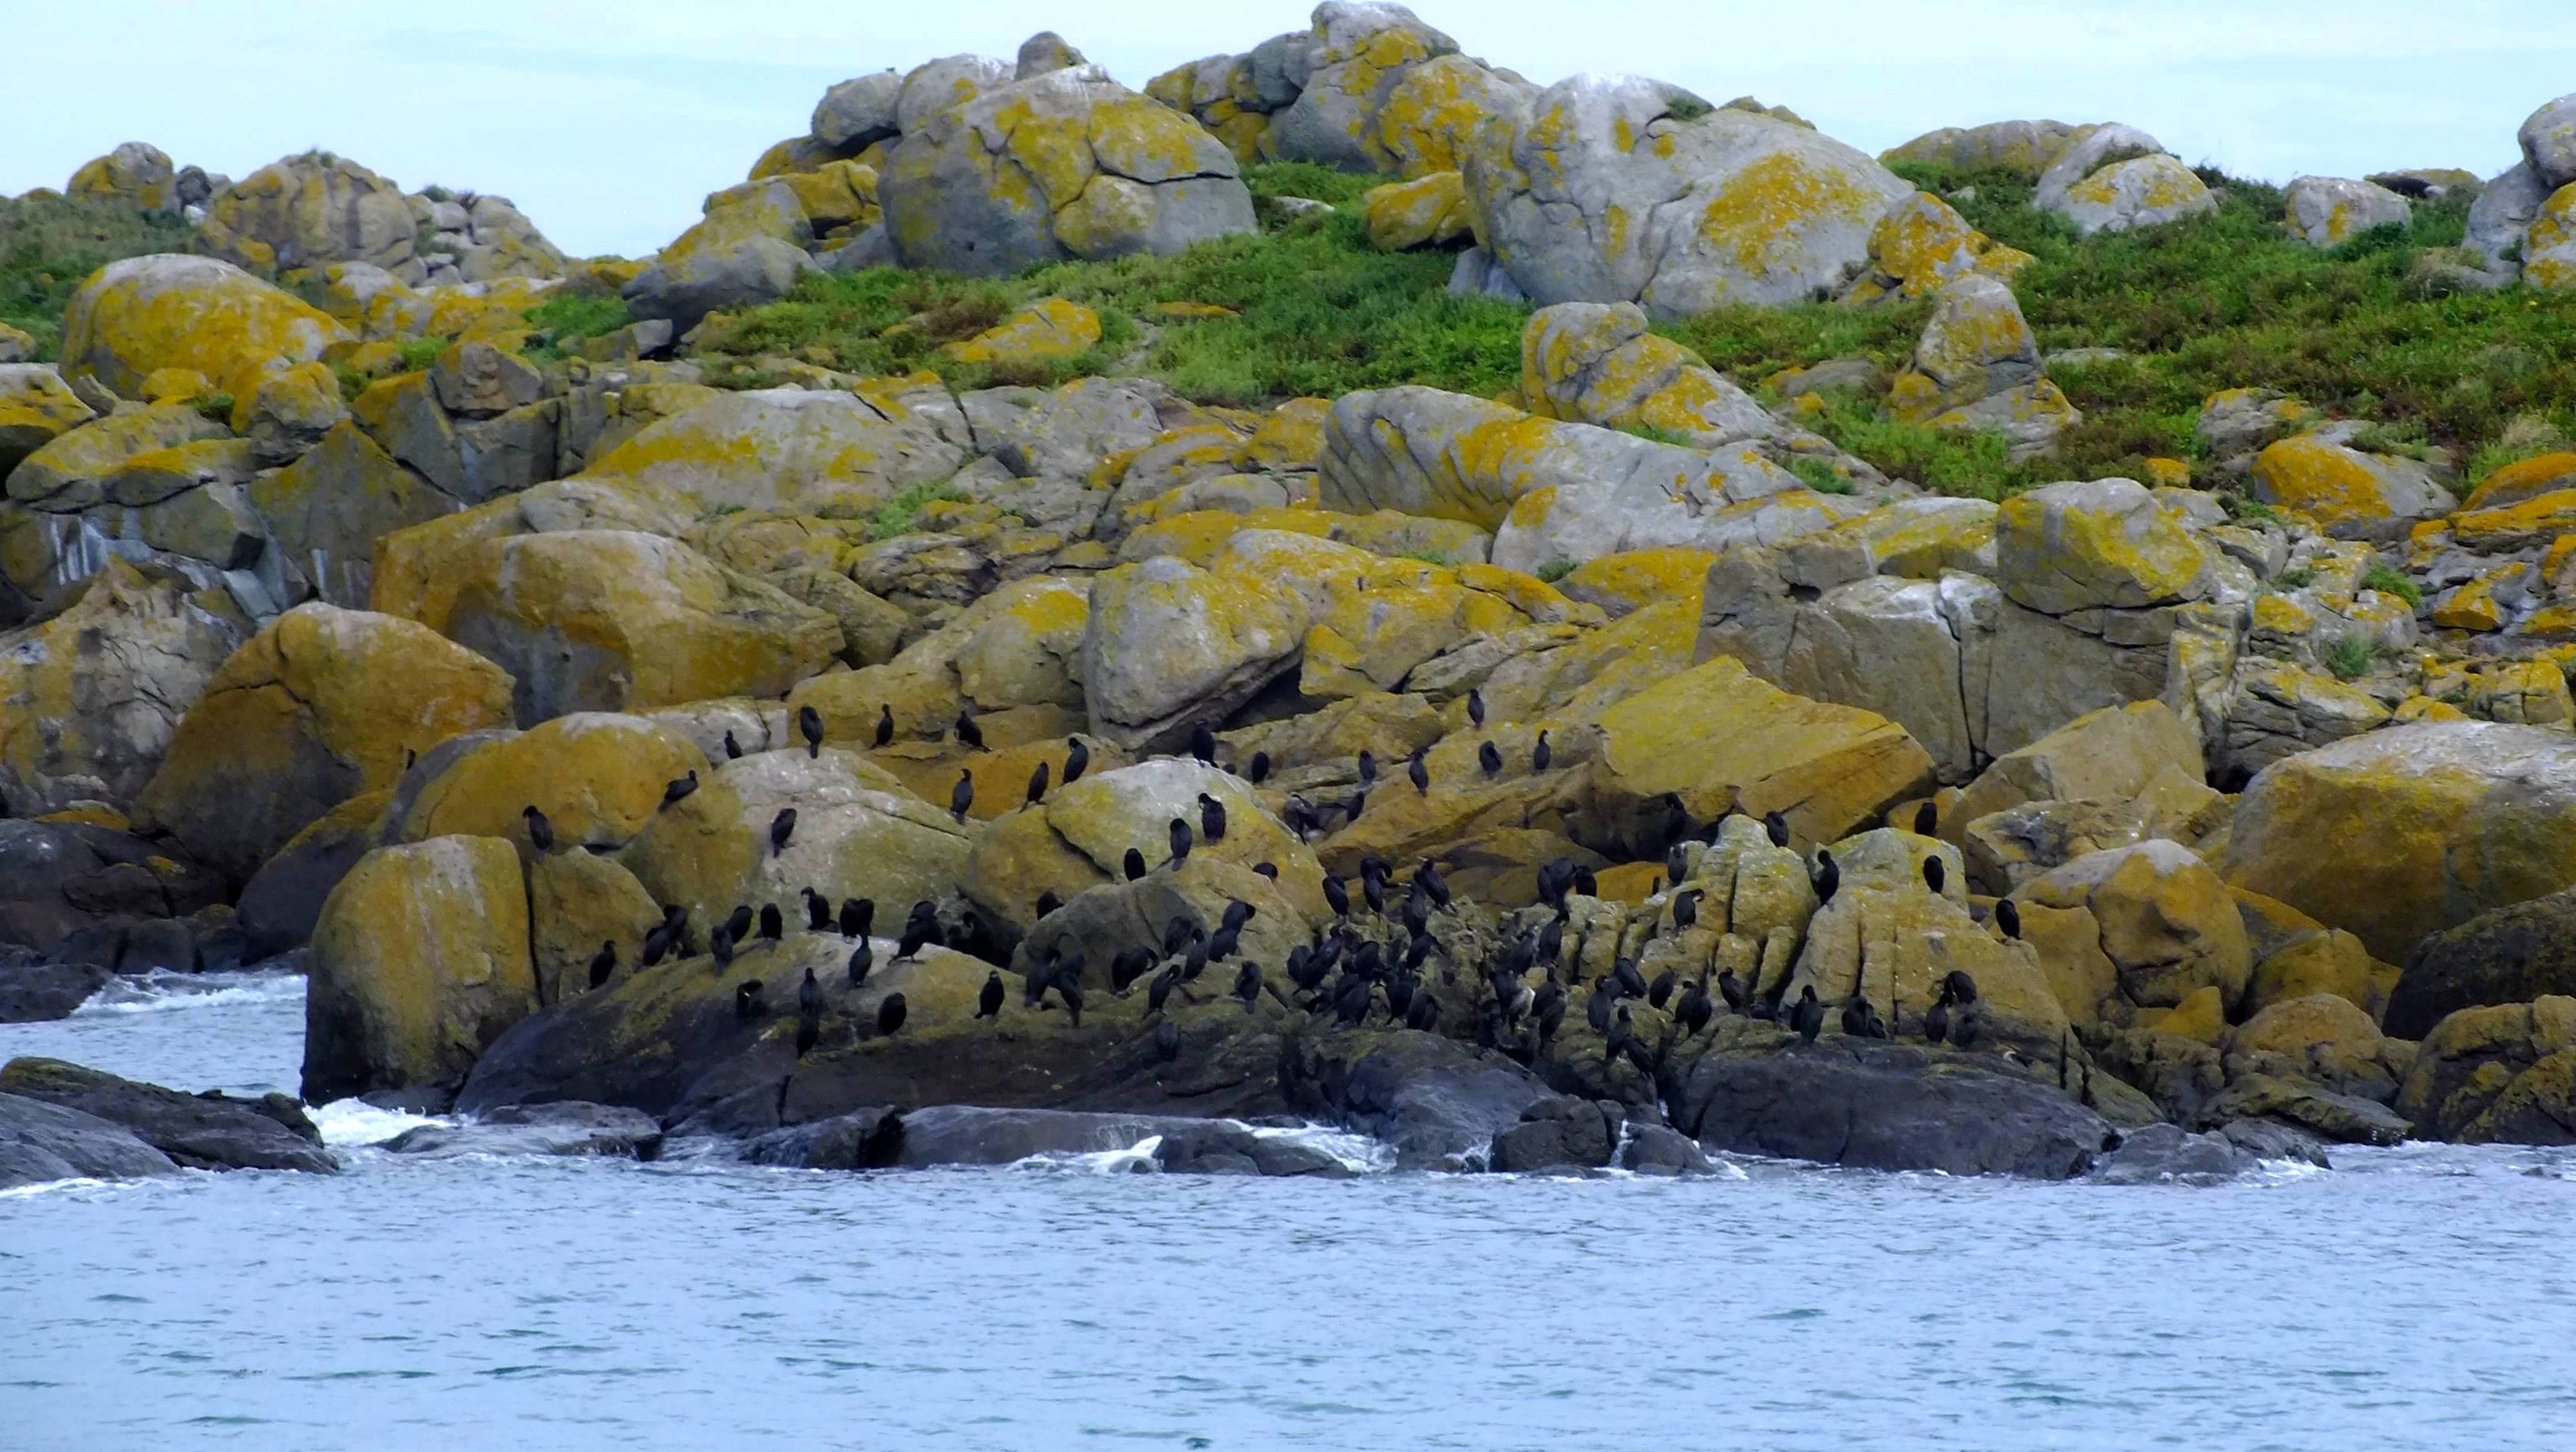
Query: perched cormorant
{"points": [[1161, 989], [773, 923], [1596, 1010], [890, 1014], [1807, 1019], [809, 724], [1665, 982], [1731, 988], [1959, 985], [1695, 1010], [1127, 967], [1203, 744], [1685, 910], [1540, 753], [1490, 758], [1077, 760], [1549, 1007], [1927, 820], [1476, 708], [680, 787], [916, 934], [733, 748], [1623, 1032], [738, 922], [1038, 784], [1585, 884], [1677, 861], [1237, 913], [862, 958], [1167, 1041], [858, 915], [1351, 1002], [1357, 804], [603, 963], [1133, 864], [781, 827], [1180, 841], [1829, 877], [541, 833], [1936, 1019], [1423, 1013], [1069, 988], [746, 1000], [1630, 982], [1260, 770], [1047, 902], [809, 1000], [1266, 869], [1368, 769], [1418, 773], [1934, 874], [720, 946], [1337, 896], [1247, 985], [1428, 878], [885, 726], [988, 1004], [1211, 818], [962, 795], [818, 910], [969, 735], [657, 944], [2007, 917], [1777, 827]]}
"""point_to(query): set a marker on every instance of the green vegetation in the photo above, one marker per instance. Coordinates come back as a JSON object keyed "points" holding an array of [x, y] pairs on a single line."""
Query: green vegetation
{"points": [[215, 406], [2298, 579], [1820, 476], [1555, 570], [902, 513], [2351, 657], [569, 314], [419, 353], [1442, 558], [2389, 581], [48, 244], [1656, 434]]}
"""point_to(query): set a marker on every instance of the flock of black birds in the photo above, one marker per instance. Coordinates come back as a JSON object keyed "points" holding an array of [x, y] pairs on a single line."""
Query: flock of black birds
{"points": [[1349, 969]]}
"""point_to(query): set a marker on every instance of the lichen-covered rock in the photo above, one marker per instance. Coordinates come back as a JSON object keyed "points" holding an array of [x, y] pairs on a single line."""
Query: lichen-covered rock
{"points": [[1923, 243], [327, 510], [1977, 368], [136, 174], [420, 961], [859, 112], [1064, 164], [36, 407], [2501, 1075], [2548, 140], [2110, 755], [1620, 189], [1168, 645], [71, 472], [1427, 211], [2028, 147], [787, 448], [598, 777], [90, 699], [2137, 927], [140, 314], [322, 705], [610, 620], [2104, 543], [748, 250], [1049, 330], [2549, 244], [1599, 363], [1428, 119], [308, 211], [2352, 494], [64, 881], [2432, 824], [1351, 60], [2331, 210], [2511, 955]]}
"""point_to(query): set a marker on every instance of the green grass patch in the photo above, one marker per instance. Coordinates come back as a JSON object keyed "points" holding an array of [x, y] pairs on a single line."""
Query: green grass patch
{"points": [[570, 314], [2351, 657], [50, 244], [419, 353], [902, 513], [1555, 570], [215, 406], [1820, 476], [2388, 581], [2297, 579]]}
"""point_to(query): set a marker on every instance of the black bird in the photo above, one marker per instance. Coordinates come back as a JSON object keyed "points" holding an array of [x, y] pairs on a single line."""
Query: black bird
{"points": [[1203, 744], [1418, 773], [1551, 942], [818, 911], [1357, 804], [1677, 861], [1695, 1010], [1936, 1019], [781, 827], [1549, 1007], [1237, 913], [1222, 943], [1596, 1010], [1829, 877], [1047, 902], [1933, 874], [1167, 1041], [1662, 991], [1038, 784], [541, 833], [1807, 1019], [773, 923], [858, 915], [1623, 1032], [680, 787], [969, 735], [809, 1001], [1368, 770], [603, 963], [738, 922], [1428, 878], [1399, 994], [1180, 841], [1630, 982], [1247, 985], [1490, 758], [1927, 820], [1069, 988], [2007, 917], [657, 944], [1133, 864], [809, 1027], [1963, 1028], [1685, 911], [862, 958], [1266, 869], [1260, 771], [962, 795], [1585, 884], [1351, 1002], [1539, 754], [1040, 978], [746, 1000], [1337, 896], [1777, 826], [720, 946], [1211, 818], [1161, 988], [1077, 759], [1127, 967], [988, 1004], [1195, 961], [916, 934], [1731, 988], [1960, 986], [885, 726], [733, 748], [1476, 708], [890, 1014], [1423, 1013], [809, 724], [1178, 934], [1855, 1016], [1373, 884]]}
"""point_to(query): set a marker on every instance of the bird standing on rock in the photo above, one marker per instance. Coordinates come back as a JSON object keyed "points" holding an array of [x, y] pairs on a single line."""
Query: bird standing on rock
{"points": [[969, 735], [818, 910], [1695, 1010], [1936, 1019], [1180, 831], [720, 946], [1247, 985], [781, 827], [988, 1004], [1167, 1041], [1203, 744], [603, 963], [2007, 917], [680, 788], [1807, 1019], [1476, 708], [1776, 827], [1368, 769], [1540, 754], [1418, 772], [809, 724], [1829, 877], [1077, 759], [733, 748], [1927, 820], [862, 958], [773, 923], [737, 924], [746, 1000], [1731, 988], [1038, 785], [541, 833], [1133, 864], [1337, 896], [885, 727], [858, 915], [1260, 769], [1211, 818], [890, 1014], [961, 796], [1934, 874], [809, 1014], [1490, 759]]}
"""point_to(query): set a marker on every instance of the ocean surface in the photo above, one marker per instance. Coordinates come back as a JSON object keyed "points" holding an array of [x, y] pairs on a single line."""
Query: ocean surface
{"points": [[2417, 1298]]}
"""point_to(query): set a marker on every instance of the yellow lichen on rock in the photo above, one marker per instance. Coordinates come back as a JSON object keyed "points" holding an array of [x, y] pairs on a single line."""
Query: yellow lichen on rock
{"points": [[1050, 330], [133, 317], [1426, 212]]}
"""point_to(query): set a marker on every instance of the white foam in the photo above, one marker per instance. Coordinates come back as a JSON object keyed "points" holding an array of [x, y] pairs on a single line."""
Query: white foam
{"points": [[1357, 1152], [162, 990], [350, 1122]]}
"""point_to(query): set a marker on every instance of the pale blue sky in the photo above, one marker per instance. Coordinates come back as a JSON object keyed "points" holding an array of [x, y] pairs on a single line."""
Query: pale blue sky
{"points": [[607, 123]]}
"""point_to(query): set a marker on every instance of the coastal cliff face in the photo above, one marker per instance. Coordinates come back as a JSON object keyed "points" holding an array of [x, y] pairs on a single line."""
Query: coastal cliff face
{"points": [[1586, 568]]}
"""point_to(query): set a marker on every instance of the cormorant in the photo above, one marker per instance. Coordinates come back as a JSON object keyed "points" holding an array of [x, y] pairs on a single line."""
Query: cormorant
{"points": [[738, 922], [1695, 1010], [1934, 874], [890, 1014], [1194, 962], [809, 1002], [969, 735], [1127, 967], [657, 945], [1549, 1006], [858, 915], [1133, 864], [1476, 708], [1266, 869], [1829, 877], [1047, 902], [773, 923], [818, 910], [2007, 917], [1623, 1032], [1077, 759], [1777, 827], [1630, 982], [1423, 1013], [1662, 991], [1351, 1002], [1540, 753], [809, 724], [1260, 771], [720, 946], [1203, 744], [1368, 769], [1936, 1019], [1069, 988], [1223, 943], [962, 795], [1585, 884], [1247, 984], [1167, 1041], [1685, 910], [781, 827], [1551, 942], [1337, 896], [1807, 1019], [885, 726], [746, 1000], [1357, 804], [1731, 988], [1178, 934], [988, 1004], [541, 833], [916, 933], [1959, 985], [603, 963], [862, 958], [1489, 757], [1180, 841], [1161, 988], [680, 787], [1211, 818], [1596, 1010], [1418, 773], [1927, 820], [1237, 913]]}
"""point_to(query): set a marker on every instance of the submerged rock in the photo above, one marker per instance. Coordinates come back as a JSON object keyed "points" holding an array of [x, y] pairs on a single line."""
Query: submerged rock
{"points": [[41, 1142], [37, 992], [209, 1131], [2168, 1153], [539, 1129]]}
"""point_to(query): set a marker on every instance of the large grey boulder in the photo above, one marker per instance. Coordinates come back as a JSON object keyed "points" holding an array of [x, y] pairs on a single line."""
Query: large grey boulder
{"points": [[1354, 56], [2511, 955], [2024, 146], [2548, 140], [1438, 1104], [1064, 164], [309, 211], [41, 1142], [2330, 210], [860, 112], [2501, 216], [208, 1131], [2118, 178], [1622, 189], [750, 249]]}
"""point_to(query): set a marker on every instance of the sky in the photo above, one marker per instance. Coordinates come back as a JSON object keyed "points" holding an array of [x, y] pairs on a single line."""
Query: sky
{"points": [[607, 124]]}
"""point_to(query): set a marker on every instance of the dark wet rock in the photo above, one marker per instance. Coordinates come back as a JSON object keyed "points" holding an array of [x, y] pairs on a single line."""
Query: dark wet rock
{"points": [[2167, 1152], [209, 1131], [41, 1142], [2339, 1118], [1558, 1133], [1233, 1149], [1655, 1149], [2266, 1140], [965, 1134], [58, 879], [1436, 1103], [2512, 955], [37, 992], [863, 1139], [567, 1129], [1871, 1104], [424, 1099]]}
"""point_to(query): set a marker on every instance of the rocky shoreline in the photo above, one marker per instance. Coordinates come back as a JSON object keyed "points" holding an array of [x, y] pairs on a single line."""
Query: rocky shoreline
{"points": [[630, 735]]}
